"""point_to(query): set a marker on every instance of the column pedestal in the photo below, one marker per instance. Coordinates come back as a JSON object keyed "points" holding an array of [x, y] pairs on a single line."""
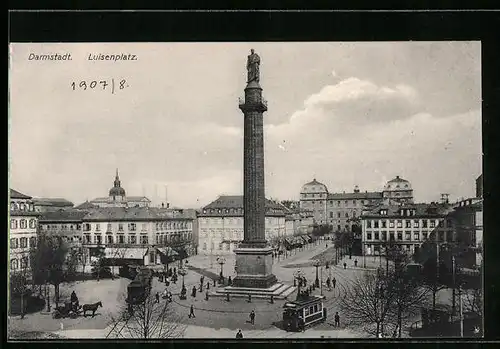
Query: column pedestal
{"points": [[254, 267]]}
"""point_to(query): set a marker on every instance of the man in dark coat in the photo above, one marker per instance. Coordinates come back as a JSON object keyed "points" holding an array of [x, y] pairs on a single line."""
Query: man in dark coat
{"points": [[239, 335]]}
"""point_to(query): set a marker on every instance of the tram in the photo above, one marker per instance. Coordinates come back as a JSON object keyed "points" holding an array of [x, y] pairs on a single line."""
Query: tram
{"points": [[303, 312]]}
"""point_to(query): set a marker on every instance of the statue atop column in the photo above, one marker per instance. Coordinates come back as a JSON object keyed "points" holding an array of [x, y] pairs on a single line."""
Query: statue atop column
{"points": [[253, 63]]}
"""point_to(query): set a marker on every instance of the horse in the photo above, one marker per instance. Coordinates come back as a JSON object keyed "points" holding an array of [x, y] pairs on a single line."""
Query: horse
{"points": [[91, 307]]}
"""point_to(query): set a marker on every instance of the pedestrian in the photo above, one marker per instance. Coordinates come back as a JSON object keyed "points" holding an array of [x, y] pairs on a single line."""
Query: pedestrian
{"points": [[334, 281], [193, 293], [191, 312], [337, 319], [157, 296], [355, 262], [326, 245], [328, 283], [201, 279], [208, 285], [345, 265], [252, 317], [239, 335], [229, 281]]}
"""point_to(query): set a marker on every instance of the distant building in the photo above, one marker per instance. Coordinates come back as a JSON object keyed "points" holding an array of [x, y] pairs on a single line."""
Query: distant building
{"points": [[51, 204], [221, 224], [298, 222], [23, 230], [408, 226], [118, 198], [137, 234], [342, 210]]}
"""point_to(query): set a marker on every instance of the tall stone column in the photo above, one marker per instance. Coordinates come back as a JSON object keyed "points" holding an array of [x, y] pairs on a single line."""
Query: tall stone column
{"points": [[253, 255]]}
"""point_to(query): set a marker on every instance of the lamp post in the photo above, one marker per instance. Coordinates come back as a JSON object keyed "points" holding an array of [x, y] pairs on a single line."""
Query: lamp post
{"points": [[182, 272], [297, 276], [317, 264], [221, 261]]}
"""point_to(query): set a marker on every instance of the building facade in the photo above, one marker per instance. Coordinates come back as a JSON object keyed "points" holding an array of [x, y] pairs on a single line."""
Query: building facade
{"points": [[298, 222], [220, 224], [342, 210], [138, 234], [408, 226], [22, 232], [117, 197]]}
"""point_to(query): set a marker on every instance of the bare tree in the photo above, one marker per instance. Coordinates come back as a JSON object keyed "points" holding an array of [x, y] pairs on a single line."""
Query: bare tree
{"points": [[367, 303], [148, 320]]}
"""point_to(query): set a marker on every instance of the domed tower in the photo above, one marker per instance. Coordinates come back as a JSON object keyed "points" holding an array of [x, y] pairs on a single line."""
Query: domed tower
{"points": [[313, 197], [117, 193], [398, 190]]}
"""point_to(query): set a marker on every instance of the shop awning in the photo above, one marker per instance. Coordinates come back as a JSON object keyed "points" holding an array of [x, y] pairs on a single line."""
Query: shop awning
{"points": [[167, 251], [125, 252]]}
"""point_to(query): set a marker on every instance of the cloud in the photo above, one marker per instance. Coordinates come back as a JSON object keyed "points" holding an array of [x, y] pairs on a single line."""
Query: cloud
{"points": [[338, 143]]}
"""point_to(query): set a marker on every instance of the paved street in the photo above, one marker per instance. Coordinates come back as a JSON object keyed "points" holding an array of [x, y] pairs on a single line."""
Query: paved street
{"points": [[215, 317]]}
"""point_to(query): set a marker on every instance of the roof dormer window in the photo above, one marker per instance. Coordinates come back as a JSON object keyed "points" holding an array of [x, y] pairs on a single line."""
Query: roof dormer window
{"points": [[383, 212]]}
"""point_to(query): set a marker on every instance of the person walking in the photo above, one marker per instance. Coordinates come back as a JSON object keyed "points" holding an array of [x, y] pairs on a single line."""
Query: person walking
{"points": [[334, 282], [252, 317], [337, 319], [208, 285], [239, 335], [229, 281], [329, 284], [356, 263], [191, 312], [193, 292], [345, 265], [157, 297]]}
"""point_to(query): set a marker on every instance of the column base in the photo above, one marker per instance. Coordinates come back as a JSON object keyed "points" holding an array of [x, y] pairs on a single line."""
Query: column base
{"points": [[254, 268]]}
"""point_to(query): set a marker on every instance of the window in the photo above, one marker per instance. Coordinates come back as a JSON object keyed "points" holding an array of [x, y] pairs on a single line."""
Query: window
{"points": [[24, 262], [432, 223], [377, 235], [338, 203], [86, 227], [424, 223], [400, 224], [375, 224], [132, 227], [132, 239], [338, 227], [32, 223], [23, 224], [13, 224], [424, 235], [306, 311], [441, 223], [400, 236], [144, 226], [12, 206], [109, 239], [228, 246], [368, 224], [391, 235], [408, 224], [13, 264], [391, 224], [220, 246], [205, 246], [384, 224], [384, 235], [22, 206], [338, 214], [368, 236], [98, 239], [354, 213], [408, 236], [13, 243], [32, 242], [121, 239], [416, 236], [98, 227], [24, 242], [449, 223], [120, 226], [331, 214], [441, 236], [347, 215], [415, 223], [87, 238], [315, 308], [354, 202], [144, 239]]}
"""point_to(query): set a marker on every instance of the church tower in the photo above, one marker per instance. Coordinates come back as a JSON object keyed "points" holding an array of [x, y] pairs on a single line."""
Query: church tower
{"points": [[117, 193]]}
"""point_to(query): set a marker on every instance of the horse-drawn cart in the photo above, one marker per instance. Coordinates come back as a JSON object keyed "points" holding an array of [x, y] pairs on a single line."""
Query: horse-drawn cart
{"points": [[67, 310]]}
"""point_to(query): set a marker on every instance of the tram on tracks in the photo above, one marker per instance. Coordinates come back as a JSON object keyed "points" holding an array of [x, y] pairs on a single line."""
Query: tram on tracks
{"points": [[304, 312]]}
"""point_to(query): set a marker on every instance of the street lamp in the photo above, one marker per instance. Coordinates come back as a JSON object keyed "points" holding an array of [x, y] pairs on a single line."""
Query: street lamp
{"points": [[221, 261], [317, 264], [182, 272], [298, 276]]}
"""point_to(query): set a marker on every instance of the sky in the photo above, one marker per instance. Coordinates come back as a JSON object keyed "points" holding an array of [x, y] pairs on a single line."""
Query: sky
{"points": [[345, 113]]}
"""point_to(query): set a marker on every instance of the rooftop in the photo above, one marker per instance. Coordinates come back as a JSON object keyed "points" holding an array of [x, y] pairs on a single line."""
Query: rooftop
{"points": [[360, 195], [421, 210], [69, 215], [14, 194], [52, 202]]}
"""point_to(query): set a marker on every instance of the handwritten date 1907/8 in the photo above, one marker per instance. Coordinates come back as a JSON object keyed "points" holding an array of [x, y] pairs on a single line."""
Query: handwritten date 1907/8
{"points": [[102, 85]]}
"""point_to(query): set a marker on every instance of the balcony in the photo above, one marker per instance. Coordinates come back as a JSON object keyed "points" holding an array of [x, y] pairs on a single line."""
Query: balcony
{"points": [[245, 105]]}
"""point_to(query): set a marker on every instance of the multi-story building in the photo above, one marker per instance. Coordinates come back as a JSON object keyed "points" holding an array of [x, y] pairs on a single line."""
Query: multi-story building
{"points": [[51, 204], [118, 198], [342, 210], [408, 226], [221, 224], [298, 222], [23, 230]]}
